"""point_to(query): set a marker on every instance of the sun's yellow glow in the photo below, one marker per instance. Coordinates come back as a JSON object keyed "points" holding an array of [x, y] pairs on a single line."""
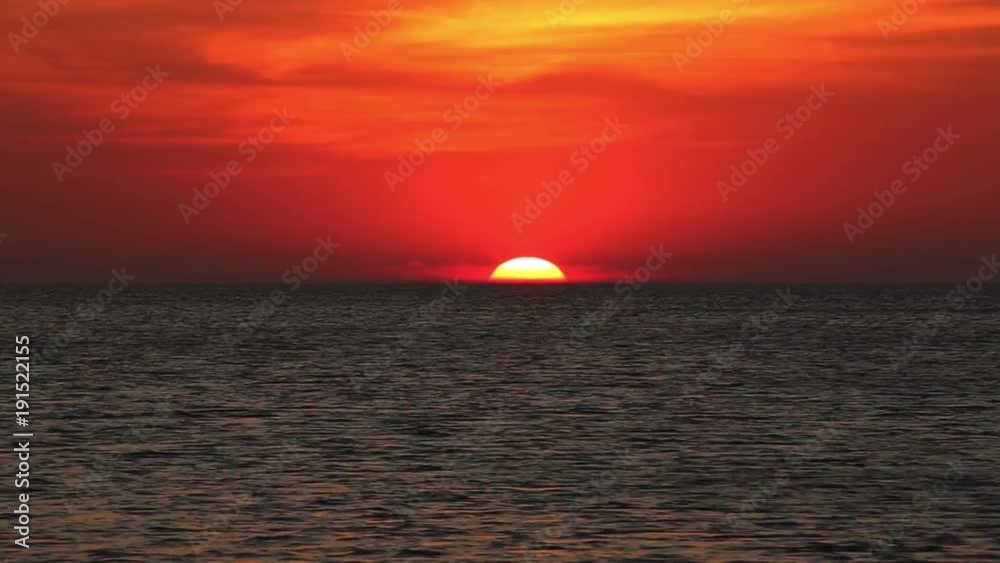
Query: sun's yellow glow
{"points": [[527, 269]]}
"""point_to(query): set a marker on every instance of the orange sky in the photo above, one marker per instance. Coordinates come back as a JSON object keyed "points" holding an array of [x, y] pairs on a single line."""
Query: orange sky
{"points": [[557, 82]]}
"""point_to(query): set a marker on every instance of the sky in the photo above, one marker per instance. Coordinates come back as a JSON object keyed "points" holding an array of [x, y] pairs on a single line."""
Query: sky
{"points": [[642, 108]]}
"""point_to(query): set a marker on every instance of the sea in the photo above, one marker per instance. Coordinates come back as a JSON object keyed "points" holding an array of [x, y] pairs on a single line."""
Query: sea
{"points": [[495, 423]]}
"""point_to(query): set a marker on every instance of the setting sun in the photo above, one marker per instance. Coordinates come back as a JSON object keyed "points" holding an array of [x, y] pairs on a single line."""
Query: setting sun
{"points": [[527, 269]]}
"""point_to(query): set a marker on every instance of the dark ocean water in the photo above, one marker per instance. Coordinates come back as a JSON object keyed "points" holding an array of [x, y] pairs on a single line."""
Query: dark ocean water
{"points": [[349, 423]]}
